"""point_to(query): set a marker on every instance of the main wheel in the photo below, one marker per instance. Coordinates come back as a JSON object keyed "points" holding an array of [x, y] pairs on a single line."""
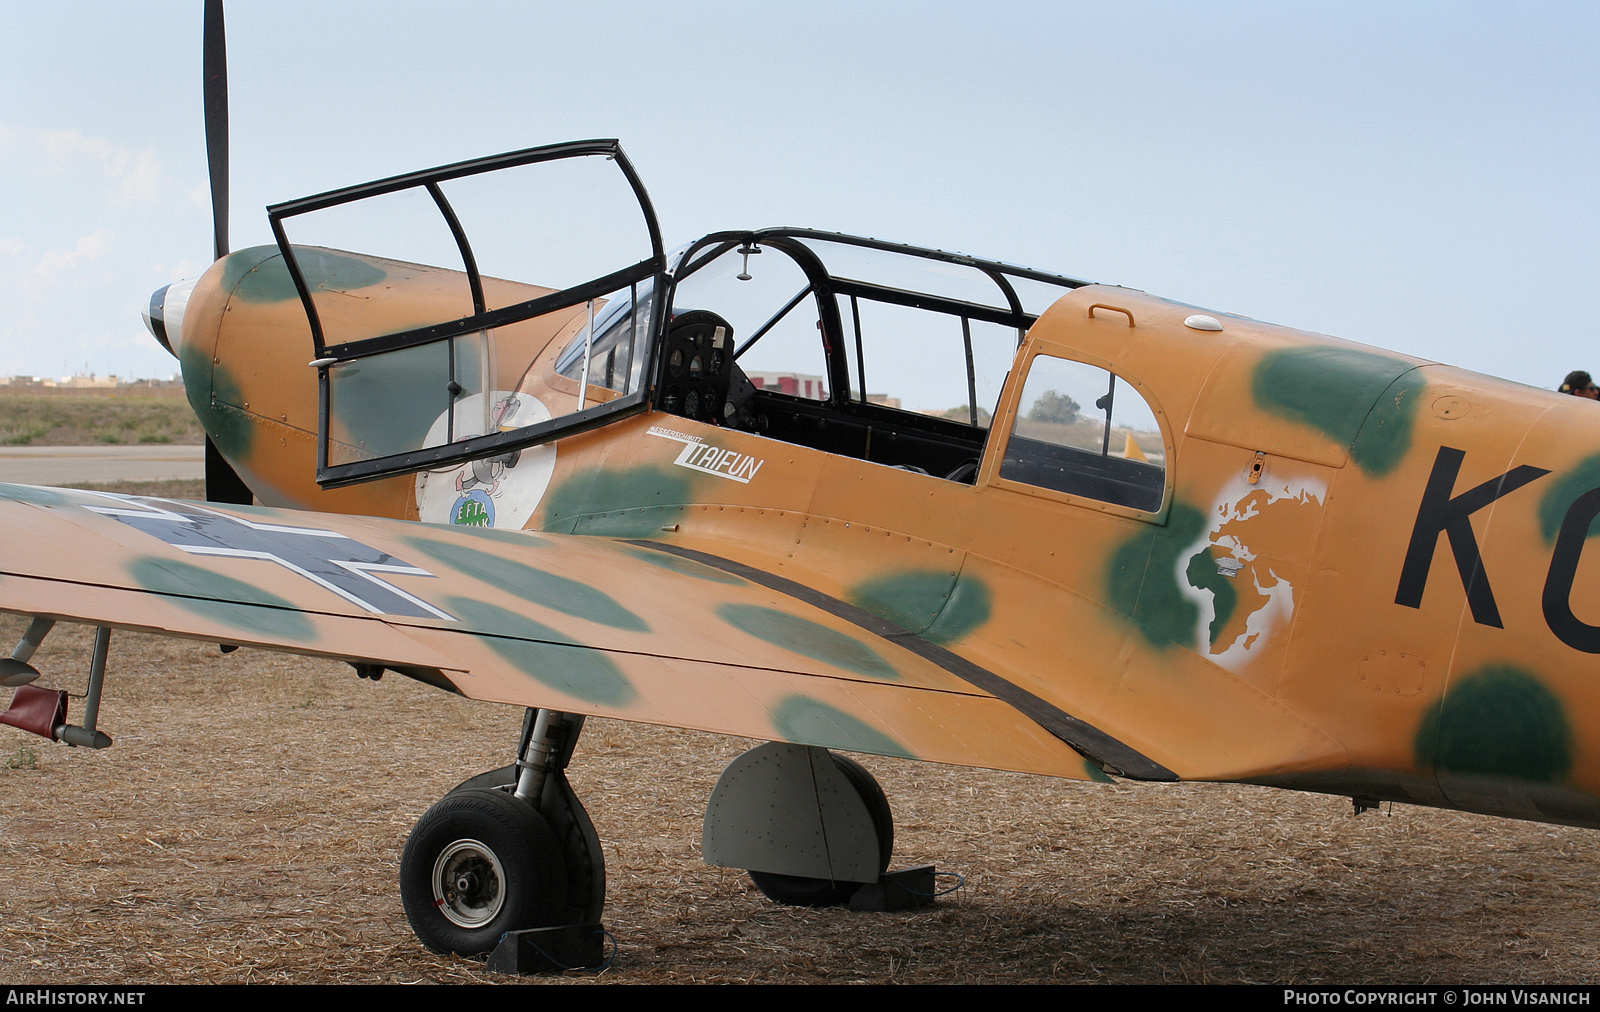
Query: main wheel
{"points": [[569, 823], [798, 891], [478, 864], [505, 776]]}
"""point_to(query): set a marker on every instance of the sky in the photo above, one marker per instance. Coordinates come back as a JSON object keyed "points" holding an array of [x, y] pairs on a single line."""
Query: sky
{"points": [[1419, 177]]}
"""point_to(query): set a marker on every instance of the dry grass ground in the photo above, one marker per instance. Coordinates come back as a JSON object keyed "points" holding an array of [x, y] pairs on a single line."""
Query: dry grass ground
{"points": [[40, 420], [248, 823]]}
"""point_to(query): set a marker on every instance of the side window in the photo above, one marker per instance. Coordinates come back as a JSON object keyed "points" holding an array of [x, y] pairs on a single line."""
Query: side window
{"points": [[933, 363], [1081, 430]]}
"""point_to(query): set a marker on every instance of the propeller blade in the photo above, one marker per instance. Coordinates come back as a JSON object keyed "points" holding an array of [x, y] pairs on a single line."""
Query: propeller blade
{"points": [[216, 101], [223, 483]]}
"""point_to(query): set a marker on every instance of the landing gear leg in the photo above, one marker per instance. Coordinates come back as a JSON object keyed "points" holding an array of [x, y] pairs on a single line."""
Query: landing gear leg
{"points": [[547, 747], [506, 851]]}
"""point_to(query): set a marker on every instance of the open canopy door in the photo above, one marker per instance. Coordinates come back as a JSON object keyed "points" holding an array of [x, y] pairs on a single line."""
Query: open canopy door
{"points": [[422, 334]]}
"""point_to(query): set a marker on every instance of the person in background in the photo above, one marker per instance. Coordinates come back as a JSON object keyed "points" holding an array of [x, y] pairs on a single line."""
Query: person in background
{"points": [[1579, 384]]}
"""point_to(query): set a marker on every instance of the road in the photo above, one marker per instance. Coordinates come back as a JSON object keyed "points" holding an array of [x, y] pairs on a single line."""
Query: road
{"points": [[59, 465]]}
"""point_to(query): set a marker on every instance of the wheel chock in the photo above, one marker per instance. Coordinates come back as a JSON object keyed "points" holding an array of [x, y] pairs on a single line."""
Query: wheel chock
{"points": [[897, 890], [550, 950], [44, 711], [38, 710]]}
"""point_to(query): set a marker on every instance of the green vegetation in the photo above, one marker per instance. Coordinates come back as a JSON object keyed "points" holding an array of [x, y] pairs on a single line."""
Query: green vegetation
{"points": [[26, 757], [46, 420], [963, 414], [1055, 407]]}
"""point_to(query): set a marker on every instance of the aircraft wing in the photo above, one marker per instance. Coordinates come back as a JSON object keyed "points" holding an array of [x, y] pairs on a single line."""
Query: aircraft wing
{"points": [[581, 624], [633, 630]]}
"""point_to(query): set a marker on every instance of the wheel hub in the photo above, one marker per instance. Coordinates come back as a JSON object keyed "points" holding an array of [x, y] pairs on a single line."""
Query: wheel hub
{"points": [[468, 884]]}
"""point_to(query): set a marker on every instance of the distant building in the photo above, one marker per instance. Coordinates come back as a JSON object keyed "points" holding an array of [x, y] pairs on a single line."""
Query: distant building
{"points": [[92, 386], [811, 387], [89, 382], [796, 384]]}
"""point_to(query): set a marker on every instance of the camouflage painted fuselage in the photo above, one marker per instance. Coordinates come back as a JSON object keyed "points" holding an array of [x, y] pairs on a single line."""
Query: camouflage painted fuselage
{"points": [[1365, 577]]}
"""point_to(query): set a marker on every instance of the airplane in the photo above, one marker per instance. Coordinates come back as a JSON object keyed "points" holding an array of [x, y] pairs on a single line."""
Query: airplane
{"points": [[1142, 540]]}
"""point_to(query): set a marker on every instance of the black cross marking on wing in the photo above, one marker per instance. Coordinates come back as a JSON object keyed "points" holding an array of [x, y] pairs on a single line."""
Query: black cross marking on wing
{"points": [[332, 560]]}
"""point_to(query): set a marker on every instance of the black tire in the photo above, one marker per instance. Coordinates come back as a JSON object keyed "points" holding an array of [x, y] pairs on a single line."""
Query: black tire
{"points": [[478, 864], [798, 891], [569, 823]]}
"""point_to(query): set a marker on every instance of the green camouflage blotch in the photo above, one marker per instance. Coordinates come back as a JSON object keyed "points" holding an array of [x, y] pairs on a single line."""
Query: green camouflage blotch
{"points": [[935, 605], [217, 402], [1500, 721], [36, 496], [500, 535], [66, 496], [1142, 578], [487, 619], [910, 600], [547, 655], [196, 368], [1558, 498], [1385, 438], [222, 598], [1096, 773], [969, 608], [683, 567], [557, 593], [387, 403], [589, 503], [258, 274], [1202, 575], [1364, 401], [807, 638], [812, 722]]}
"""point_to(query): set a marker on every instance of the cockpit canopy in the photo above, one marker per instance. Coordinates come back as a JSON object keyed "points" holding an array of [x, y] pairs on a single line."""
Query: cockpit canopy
{"points": [[807, 336]]}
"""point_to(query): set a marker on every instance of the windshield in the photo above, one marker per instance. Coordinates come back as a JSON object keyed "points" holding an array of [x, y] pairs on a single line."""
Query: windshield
{"points": [[830, 318], [888, 353], [616, 357]]}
